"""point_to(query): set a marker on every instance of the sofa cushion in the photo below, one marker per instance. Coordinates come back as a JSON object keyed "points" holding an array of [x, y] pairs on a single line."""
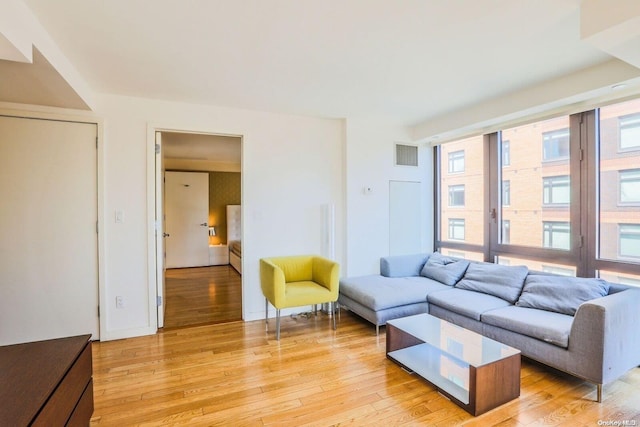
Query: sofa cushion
{"points": [[502, 281], [544, 325], [466, 303], [444, 269], [402, 265], [379, 292], [559, 293]]}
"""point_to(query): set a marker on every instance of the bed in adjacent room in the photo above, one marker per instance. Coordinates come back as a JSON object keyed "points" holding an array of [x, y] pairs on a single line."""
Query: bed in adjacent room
{"points": [[234, 236]]}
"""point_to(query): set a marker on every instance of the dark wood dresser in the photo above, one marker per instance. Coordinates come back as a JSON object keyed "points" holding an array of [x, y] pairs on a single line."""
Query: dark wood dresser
{"points": [[46, 383]]}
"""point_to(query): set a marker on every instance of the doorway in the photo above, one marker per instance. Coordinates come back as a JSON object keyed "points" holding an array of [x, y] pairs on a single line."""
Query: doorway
{"points": [[199, 292]]}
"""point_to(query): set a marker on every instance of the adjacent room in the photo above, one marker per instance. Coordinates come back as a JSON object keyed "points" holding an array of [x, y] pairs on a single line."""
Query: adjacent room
{"points": [[285, 213], [202, 200]]}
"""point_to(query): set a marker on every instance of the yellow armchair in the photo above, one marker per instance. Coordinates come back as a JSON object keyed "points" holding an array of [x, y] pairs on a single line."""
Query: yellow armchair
{"points": [[294, 281]]}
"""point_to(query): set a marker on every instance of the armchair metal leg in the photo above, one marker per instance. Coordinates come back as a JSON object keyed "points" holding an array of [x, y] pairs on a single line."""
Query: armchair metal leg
{"points": [[277, 324], [599, 392], [266, 314], [333, 310]]}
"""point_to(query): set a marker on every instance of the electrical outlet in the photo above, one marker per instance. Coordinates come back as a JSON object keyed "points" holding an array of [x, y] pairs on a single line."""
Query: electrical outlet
{"points": [[119, 302]]}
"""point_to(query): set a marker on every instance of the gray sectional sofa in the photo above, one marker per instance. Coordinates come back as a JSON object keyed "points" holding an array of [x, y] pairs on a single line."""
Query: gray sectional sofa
{"points": [[588, 328]]}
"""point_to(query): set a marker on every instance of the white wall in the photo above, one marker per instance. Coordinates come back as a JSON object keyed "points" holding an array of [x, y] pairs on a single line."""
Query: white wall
{"points": [[370, 156], [292, 166]]}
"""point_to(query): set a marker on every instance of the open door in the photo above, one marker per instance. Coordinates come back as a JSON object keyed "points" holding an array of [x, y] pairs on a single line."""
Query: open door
{"points": [[160, 234]]}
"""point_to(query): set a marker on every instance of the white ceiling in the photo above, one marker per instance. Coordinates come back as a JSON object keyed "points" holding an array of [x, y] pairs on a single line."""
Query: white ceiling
{"points": [[402, 60]]}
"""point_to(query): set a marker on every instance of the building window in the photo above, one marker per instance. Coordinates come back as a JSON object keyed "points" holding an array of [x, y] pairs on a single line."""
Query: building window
{"points": [[556, 235], [456, 161], [629, 238], [556, 190], [456, 195], [505, 238], [506, 193], [506, 153], [629, 131], [629, 186], [555, 145], [456, 229]]}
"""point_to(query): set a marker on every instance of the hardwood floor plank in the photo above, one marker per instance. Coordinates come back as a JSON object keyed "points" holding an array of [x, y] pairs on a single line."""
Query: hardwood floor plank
{"points": [[237, 374], [202, 295]]}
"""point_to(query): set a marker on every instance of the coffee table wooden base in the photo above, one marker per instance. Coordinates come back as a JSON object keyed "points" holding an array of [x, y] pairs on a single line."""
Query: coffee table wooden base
{"points": [[490, 385]]}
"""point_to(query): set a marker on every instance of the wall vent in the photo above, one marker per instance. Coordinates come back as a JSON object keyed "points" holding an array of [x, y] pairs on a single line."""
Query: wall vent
{"points": [[406, 155]]}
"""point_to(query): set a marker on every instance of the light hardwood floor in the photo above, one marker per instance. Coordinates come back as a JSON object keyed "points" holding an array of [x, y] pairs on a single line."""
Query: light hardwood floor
{"points": [[236, 374], [202, 295]]}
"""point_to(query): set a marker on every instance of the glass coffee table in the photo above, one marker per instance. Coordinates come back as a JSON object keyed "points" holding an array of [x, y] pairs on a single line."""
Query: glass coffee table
{"points": [[475, 372]]}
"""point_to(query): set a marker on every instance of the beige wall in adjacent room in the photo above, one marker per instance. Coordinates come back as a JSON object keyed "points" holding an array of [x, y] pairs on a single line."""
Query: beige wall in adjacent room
{"points": [[224, 189]]}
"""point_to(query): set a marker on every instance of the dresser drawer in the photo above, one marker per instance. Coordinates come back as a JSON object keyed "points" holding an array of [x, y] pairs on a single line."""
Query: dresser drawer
{"points": [[64, 399], [82, 414]]}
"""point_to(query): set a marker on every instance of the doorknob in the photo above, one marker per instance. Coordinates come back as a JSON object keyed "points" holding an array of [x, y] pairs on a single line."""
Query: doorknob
{"points": [[165, 234], [204, 224]]}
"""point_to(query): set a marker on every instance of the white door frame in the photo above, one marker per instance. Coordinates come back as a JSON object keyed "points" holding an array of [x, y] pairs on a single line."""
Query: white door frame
{"points": [[100, 226], [159, 229], [155, 224]]}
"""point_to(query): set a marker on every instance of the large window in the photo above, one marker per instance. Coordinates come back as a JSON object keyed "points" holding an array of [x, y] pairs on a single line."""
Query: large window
{"points": [[618, 181], [461, 196], [537, 184], [555, 190], [560, 195]]}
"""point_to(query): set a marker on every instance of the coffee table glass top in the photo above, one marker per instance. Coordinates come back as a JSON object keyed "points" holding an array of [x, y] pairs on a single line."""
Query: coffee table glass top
{"points": [[462, 344], [453, 358]]}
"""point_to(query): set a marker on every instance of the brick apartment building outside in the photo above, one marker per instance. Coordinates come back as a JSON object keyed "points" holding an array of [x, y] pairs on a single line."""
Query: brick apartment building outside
{"points": [[535, 190]]}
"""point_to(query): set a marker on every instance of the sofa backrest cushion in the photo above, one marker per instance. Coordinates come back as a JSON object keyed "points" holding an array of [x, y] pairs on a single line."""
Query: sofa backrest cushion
{"points": [[560, 294], [402, 265], [444, 269], [502, 281]]}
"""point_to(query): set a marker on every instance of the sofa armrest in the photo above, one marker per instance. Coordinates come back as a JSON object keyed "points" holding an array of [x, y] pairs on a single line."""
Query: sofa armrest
{"points": [[605, 336], [402, 265]]}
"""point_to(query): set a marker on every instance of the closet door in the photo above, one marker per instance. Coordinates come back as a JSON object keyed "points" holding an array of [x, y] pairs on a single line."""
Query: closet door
{"points": [[405, 218], [48, 239], [186, 219]]}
